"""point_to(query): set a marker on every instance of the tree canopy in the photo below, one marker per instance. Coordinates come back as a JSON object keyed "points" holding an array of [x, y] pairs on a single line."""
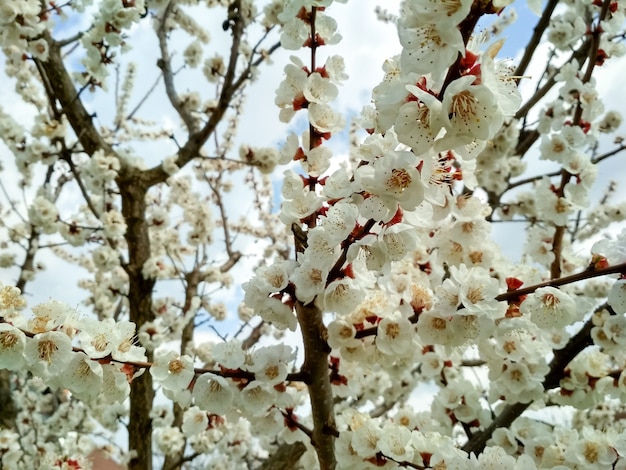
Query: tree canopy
{"points": [[436, 280]]}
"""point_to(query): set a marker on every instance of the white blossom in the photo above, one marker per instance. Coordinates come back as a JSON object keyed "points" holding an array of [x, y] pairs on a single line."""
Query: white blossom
{"points": [[549, 307], [212, 393], [617, 296], [270, 363], [395, 335], [83, 376], [48, 354], [12, 342], [171, 370], [194, 421], [229, 354]]}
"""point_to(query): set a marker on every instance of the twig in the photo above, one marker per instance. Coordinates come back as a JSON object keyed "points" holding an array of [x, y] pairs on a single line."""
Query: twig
{"points": [[540, 28], [168, 77]]}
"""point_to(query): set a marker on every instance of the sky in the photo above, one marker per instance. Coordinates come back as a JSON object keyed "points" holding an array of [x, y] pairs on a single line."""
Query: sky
{"points": [[366, 43]]}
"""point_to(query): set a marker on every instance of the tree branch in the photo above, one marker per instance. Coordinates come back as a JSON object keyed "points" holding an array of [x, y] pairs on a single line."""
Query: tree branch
{"points": [[168, 76], [592, 54], [540, 28], [230, 86], [64, 91], [285, 457], [317, 378], [512, 411]]}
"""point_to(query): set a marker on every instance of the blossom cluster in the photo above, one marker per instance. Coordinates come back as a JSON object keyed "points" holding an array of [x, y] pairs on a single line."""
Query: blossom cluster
{"points": [[361, 221], [443, 105], [411, 439], [369, 217], [95, 361], [43, 345]]}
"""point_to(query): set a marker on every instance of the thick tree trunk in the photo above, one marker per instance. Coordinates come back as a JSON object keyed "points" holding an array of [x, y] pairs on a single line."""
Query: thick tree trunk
{"points": [[133, 194], [7, 406]]}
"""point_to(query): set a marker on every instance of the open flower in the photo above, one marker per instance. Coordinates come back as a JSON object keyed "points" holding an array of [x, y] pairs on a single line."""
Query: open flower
{"points": [[212, 393], [257, 398], [12, 342], [470, 110], [417, 125], [365, 439], [290, 93], [48, 354], [48, 316], [341, 333], [435, 328], [83, 376], [617, 296], [394, 179], [309, 280], [429, 48], [172, 370], [115, 386], [195, 421], [324, 118], [96, 337], [395, 335], [395, 442], [270, 363], [123, 341], [318, 89], [550, 307], [448, 13], [278, 314]]}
